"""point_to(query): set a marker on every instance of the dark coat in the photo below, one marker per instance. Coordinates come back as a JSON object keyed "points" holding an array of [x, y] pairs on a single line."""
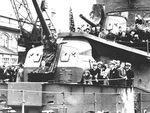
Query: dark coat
{"points": [[94, 72], [114, 74], [130, 74], [130, 77]]}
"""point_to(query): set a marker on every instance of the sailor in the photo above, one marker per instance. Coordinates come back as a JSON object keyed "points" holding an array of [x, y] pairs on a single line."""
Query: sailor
{"points": [[129, 74], [103, 75], [100, 76], [114, 74], [95, 72], [138, 19], [122, 74]]}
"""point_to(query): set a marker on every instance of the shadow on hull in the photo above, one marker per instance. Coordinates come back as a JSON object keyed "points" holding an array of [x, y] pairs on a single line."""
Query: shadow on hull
{"points": [[144, 46]]}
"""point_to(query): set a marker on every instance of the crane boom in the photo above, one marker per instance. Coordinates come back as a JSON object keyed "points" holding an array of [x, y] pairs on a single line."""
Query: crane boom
{"points": [[30, 33], [28, 11], [42, 20], [22, 5]]}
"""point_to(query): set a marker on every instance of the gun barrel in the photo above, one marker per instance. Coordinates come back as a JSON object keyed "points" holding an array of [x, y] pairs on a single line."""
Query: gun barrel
{"points": [[88, 21], [41, 18]]}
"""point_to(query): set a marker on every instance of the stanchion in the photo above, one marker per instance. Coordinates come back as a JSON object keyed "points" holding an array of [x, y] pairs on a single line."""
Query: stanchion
{"points": [[23, 102]]}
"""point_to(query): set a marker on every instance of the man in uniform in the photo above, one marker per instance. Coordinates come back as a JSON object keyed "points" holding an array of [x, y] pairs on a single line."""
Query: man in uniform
{"points": [[114, 74], [95, 72], [129, 74]]}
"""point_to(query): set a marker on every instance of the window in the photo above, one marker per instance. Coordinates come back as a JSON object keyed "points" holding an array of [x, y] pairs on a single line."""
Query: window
{"points": [[5, 40]]}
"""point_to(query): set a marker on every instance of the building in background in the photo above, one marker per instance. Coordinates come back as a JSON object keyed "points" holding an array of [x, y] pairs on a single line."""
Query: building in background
{"points": [[8, 42]]}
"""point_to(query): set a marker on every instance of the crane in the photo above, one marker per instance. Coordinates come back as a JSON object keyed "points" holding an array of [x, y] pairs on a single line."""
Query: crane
{"points": [[31, 32], [25, 20], [18, 6]]}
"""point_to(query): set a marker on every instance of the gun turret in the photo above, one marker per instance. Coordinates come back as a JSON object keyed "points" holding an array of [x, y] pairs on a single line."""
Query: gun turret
{"points": [[88, 21], [49, 41]]}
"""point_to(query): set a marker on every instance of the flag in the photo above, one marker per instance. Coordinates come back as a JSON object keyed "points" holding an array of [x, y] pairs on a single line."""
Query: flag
{"points": [[71, 21]]}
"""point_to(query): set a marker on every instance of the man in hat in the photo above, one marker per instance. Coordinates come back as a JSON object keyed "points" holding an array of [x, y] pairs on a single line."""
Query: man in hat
{"points": [[95, 73], [100, 76], [122, 74], [114, 74], [129, 74]]}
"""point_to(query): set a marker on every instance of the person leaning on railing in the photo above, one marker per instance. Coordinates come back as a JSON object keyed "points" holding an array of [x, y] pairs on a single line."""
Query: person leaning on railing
{"points": [[114, 74], [95, 72], [122, 74], [129, 74], [100, 76]]}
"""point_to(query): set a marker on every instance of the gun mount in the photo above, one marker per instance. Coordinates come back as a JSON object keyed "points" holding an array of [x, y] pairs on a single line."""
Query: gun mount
{"points": [[48, 40], [88, 21]]}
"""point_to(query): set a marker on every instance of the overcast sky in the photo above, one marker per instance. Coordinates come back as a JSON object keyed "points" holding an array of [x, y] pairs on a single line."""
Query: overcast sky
{"points": [[61, 7]]}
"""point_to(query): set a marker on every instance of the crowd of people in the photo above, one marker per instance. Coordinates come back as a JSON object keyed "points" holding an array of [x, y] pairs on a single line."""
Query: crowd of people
{"points": [[11, 73], [138, 32], [135, 34], [115, 73]]}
